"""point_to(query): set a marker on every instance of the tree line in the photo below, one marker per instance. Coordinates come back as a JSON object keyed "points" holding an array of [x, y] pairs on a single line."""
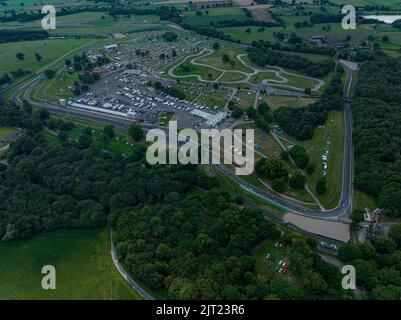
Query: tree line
{"points": [[376, 113], [19, 35]]}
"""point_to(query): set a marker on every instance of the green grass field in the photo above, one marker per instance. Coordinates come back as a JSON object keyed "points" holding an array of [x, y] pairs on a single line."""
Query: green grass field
{"points": [[214, 15], [276, 102], [90, 24], [317, 146], [336, 31], [16, 5], [50, 50], [192, 69], [215, 59], [213, 98], [84, 268], [358, 3], [4, 132]]}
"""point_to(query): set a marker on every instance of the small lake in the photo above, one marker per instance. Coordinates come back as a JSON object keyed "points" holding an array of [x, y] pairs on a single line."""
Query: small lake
{"points": [[384, 18]]}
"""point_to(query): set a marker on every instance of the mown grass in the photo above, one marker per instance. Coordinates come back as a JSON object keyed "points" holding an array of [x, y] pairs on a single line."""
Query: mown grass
{"points": [[84, 268]]}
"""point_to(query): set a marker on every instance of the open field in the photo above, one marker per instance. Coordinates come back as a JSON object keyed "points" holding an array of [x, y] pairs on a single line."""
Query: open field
{"points": [[50, 50], [30, 4], [4, 132], [362, 201], [358, 3], [214, 15], [276, 102], [336, 31], [93, 24], [244, 99], [215, 59], [83, 263]]}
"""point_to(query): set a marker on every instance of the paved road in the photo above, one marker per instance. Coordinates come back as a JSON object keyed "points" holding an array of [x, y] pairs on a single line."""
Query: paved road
{"points": [[343, 208]]}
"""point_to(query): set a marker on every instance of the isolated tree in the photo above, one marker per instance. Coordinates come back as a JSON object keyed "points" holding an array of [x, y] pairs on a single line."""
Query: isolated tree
{"points": [[279, 185], [50, 73], [84, 141], [216, 46], [297, 181], [263, 108], [225, 58], [310, 168], [135, 131], [321, 185], [108, 131], [20, 56], [300, 156], [385, 39], [38, 57]]}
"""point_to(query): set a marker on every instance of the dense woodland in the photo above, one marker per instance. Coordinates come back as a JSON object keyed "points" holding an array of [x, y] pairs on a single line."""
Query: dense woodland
{"points": [[377, 264], [377, 131]]}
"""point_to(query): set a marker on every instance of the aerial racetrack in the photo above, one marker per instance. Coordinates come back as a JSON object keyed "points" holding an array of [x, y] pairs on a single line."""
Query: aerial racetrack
{"points": [[193, 67]]}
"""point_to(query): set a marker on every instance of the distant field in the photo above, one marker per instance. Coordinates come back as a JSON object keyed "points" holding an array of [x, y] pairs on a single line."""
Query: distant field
{"points": [[50, 50], [275, 102], [358, 3], [16, 5], [214, 15], [84, 267], [336, 31], [98, 24]]}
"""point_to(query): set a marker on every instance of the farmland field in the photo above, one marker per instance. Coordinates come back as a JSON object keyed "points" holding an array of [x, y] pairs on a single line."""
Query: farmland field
{"points": [[336, 31], [84, 268], [50, 50]]}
